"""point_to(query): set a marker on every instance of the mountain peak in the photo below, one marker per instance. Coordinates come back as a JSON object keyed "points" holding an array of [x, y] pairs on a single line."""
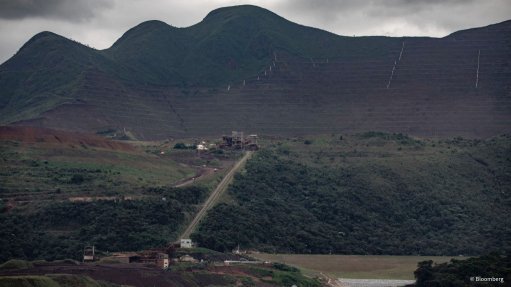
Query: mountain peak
{"points": [[142, 30], [502, 27], [190, 81], [153, 24], [238, 11], [44, 40], [45, 35]]}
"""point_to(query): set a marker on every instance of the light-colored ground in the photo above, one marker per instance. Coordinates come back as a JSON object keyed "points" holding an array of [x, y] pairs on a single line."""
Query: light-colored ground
{"points": [[354, 266], [344, 282]]}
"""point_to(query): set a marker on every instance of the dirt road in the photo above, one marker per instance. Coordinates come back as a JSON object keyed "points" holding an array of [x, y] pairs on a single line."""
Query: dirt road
{"points": [[201, 173], [215, 195]]}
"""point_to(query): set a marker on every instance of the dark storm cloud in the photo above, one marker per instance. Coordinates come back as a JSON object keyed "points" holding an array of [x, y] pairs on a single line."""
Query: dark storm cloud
{"points": [[396, 17], [71, 10], [99, 23]]}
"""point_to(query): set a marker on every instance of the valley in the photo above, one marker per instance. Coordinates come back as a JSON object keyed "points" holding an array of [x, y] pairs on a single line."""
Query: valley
{"points": [[322, 194], [340, 192]]}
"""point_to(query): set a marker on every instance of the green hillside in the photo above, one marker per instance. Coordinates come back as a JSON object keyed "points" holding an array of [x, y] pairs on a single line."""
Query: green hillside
{"points": [[45, 73], [460, 272], [61, 229], [229, 45], [62, 191], [40, 76], [374, 193], [246, 68]]}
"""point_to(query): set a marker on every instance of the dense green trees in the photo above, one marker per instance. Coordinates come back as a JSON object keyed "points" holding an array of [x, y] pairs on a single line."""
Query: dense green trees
{"points": [[282, 204], [62, 229], [468, 272]]}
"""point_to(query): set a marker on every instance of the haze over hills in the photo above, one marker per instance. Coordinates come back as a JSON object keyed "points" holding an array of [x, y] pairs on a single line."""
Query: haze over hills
{"points": [[311, 189], [246, 68]]}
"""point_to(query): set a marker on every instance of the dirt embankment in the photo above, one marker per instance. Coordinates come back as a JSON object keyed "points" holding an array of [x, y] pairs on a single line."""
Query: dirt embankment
{"points": [[140, 275], [59, 137]]}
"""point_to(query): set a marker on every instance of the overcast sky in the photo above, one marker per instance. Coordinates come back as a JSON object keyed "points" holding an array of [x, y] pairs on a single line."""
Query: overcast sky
{"points": [[99, 23]]}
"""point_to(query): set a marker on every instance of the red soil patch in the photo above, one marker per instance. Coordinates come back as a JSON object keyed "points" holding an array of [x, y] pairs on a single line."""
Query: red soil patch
{"points": [[124, 274], [58, 137]]}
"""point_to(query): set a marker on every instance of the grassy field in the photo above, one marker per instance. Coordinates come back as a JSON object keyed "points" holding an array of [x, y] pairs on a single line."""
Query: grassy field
{"points": [[38, 171], [354, 266], [42, 169]]}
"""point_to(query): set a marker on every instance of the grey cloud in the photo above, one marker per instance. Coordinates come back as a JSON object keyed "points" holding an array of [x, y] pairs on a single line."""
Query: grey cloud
{"points": [[403, 7], [396, 17], [371, 7], [100, 22], [340, 5], [70, 10]]}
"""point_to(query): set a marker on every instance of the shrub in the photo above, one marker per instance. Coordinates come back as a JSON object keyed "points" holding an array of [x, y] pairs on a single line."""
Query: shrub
{"points": [[77, 179], [180, 146], [22, 281], [16, 264], [284, 267]]}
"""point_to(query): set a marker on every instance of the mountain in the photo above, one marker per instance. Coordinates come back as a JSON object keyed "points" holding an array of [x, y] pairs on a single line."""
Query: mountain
{"points": [[246, 68], [371, 193]]}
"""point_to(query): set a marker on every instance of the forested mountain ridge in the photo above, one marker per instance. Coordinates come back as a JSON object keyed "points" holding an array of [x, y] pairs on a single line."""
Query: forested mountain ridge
{"points": [[246, 68]]}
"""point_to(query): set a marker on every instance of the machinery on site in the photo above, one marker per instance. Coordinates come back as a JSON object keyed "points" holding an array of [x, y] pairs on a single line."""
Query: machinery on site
{"points": [[237, 140], [89, 253]]}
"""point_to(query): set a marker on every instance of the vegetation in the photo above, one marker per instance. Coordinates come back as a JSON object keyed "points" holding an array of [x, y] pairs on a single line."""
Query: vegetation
{"points": [[28, 281], [282, 275], [230, 44], [289, 276], [465, 272], [52, 280], [354, 266], [369, 194], [16, 264], [62, 229], [179, 274], [184, 146], [269, 75], [42, 171], [68, 280], [57, 197]]}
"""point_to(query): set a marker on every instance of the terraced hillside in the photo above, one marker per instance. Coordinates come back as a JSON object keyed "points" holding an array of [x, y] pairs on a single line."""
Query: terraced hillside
{"points": [[245, 68], [46, 165], [60, 191]]}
